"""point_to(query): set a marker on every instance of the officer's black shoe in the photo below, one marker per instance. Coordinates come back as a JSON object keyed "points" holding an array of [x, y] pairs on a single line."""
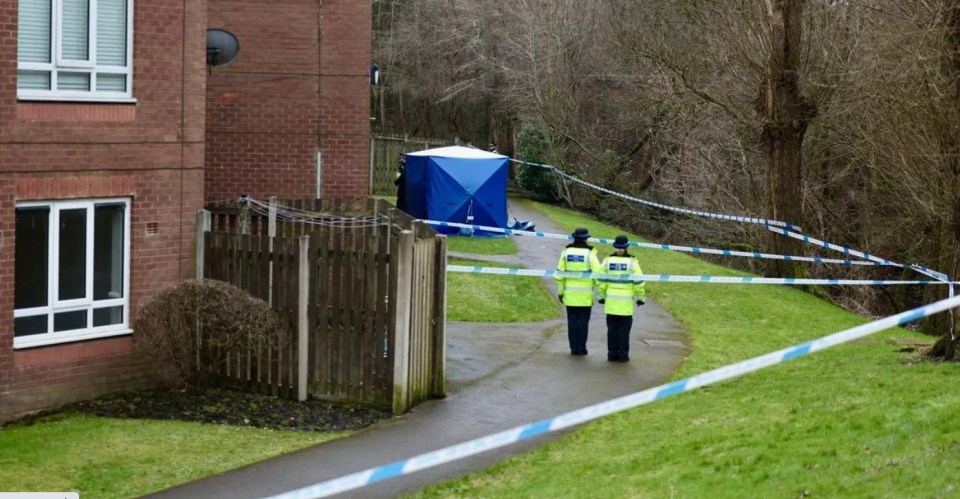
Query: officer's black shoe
{"points": [[578, 352]]}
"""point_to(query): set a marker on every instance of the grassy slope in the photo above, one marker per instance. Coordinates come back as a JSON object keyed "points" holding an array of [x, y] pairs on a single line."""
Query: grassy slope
{"points": [[480, 298], [482, 245], [856, 420], [103, 457]]}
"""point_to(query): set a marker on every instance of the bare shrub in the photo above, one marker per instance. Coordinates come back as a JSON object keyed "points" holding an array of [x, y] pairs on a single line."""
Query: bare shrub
{"points": [[195, 326]]}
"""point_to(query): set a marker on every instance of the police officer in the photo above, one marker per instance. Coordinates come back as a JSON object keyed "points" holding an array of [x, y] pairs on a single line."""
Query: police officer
{"points": [[618, 298], [576, 293], [400, 180]]}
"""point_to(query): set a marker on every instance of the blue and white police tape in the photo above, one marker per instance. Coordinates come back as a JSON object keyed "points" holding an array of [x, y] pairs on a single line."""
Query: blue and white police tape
{"points": [[707, 279], [531, 430], [668, 247], [848, 251], [779, 227], [685, 211]]}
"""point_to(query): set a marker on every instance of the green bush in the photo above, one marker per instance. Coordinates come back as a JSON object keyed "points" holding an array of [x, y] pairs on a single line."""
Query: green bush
{"points": [[540, 182]]}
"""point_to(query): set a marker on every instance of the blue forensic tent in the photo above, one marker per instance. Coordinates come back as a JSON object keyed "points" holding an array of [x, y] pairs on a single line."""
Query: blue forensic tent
{"points": [[457, 184]]}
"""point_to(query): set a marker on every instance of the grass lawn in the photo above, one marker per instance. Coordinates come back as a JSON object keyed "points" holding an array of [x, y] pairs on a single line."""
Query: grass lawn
{"points": [[479, 298], [482, 245], [105, 457], [859, 420]]}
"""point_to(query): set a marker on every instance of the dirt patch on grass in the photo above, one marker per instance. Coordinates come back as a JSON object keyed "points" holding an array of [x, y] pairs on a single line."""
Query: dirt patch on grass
{"points": [[231, 408]]}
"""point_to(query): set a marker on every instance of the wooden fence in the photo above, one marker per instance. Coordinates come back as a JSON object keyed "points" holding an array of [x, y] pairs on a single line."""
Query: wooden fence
{"points": [[384, 156], [363, 298]]}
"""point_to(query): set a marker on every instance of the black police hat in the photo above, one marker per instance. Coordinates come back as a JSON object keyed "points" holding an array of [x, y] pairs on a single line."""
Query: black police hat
{"points": [[581, 233], [621, 242]]}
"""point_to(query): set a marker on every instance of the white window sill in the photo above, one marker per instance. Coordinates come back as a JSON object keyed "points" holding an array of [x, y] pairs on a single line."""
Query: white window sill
{"points": [[89, 100], [42, 340]]}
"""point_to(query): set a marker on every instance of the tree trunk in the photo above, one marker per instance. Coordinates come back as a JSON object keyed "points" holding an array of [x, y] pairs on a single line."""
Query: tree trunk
{"points": [[946, 346], [785, 112]]}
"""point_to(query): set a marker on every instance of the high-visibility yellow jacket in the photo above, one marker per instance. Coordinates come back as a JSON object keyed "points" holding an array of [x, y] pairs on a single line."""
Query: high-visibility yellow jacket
{"points": [[620, 295], [577, 292]]}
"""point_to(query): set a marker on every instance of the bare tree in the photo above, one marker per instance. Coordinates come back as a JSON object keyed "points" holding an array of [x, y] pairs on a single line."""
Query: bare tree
{"points": [[785, 114]]}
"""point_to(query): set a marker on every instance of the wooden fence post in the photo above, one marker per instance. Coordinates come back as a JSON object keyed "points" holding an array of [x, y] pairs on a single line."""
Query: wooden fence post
{"points": [[401, 343], [438, 377], [271, 233], [203, 226], [303, 324]]}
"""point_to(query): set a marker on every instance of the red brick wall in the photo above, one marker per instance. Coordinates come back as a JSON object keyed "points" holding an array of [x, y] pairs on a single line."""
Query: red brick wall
{"points": [[346, 28], [299, 85], [68, 150], [7, 192], [44, 380]]}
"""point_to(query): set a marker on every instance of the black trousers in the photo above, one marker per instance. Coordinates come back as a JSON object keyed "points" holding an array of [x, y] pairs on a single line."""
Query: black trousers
{"points": [[578, 320], [618, 336]]}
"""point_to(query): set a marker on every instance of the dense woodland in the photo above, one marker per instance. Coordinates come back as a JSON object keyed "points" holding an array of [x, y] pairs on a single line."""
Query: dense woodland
{"points": [[839, 116]]}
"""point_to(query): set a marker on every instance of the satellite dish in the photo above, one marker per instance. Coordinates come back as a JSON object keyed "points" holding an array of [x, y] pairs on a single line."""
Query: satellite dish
{"points": [[222, 47]]}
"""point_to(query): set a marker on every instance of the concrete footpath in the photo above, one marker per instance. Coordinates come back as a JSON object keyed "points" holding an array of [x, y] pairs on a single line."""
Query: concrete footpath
{"points": [[499, 376]]}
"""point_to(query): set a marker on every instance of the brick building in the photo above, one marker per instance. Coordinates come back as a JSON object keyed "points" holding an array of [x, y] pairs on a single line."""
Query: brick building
{"points": [[106, 124], [292, 114]]}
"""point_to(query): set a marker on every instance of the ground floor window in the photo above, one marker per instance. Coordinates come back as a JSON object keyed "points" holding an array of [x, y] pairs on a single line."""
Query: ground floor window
{"points": [[72, 264]]}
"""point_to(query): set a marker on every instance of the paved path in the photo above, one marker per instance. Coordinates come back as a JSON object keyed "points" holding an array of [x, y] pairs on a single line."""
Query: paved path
{"points": [[499, 376]]}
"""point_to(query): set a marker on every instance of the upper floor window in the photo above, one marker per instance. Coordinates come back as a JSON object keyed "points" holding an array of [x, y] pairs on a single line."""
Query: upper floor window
{"points": [[71, 271], [75, 50]]}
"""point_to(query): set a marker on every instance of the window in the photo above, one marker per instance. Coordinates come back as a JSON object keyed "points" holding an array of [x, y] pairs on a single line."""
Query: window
{"points": [[75, 50], [71, 271]]}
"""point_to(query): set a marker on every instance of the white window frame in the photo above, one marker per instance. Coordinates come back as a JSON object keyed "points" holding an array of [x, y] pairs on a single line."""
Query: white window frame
{"points": [[87, 303], [61, 64]]}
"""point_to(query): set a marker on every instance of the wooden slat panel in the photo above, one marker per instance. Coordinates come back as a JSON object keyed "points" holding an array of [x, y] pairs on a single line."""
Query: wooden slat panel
{"points": [[265, 261], [356, 309], [291, 284], [323, 332], [369, 303], [312, 260], [353, 289], [383, 374], [336, 313], [294, 351], [241, 357], [253, 287], [280, 296], [348, 345], [392, 311], [290, 288]]}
